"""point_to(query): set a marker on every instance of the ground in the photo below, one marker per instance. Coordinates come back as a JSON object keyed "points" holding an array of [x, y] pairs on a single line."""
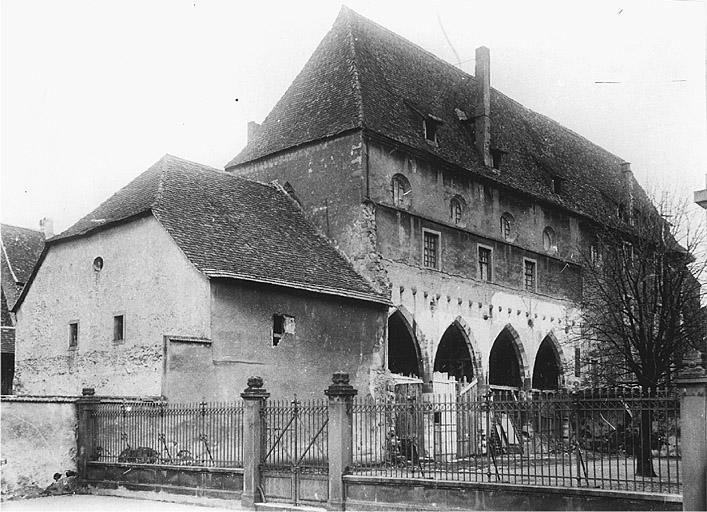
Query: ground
{"points": [[92, 503]]}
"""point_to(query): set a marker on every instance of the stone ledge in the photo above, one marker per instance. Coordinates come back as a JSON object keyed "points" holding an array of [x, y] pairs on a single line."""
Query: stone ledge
{"points": [[201, 469]]}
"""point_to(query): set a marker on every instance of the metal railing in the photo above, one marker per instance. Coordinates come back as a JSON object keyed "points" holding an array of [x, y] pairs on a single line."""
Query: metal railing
{"points": [[620, 439], [187, 434], [295, 435]]}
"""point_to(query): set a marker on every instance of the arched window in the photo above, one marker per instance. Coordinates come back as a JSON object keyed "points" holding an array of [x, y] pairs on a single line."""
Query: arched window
{"points": [[400, 188], [549, 240], [507, 227], [456, 209]]}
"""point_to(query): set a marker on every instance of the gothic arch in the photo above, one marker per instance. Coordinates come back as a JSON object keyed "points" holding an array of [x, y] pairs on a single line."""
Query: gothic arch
{"points": [[402, 329], [500, 374], [548, 366], [467, 337]]}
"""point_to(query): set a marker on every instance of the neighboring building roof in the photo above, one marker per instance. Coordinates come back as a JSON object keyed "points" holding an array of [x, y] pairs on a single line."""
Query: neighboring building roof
{"points": [[230, 227], [21, 248], [363, 76]]}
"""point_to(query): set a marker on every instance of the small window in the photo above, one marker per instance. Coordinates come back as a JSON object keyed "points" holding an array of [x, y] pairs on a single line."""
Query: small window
{"points": [[281, 325], [485, 263], [456, 209], [488, 193], [549, 242], [507, 226], [73, 335], [430, 254], [400, 189], [496, 158], [556, 184], [98, 264], [118, 328], [429, 127], [529, 275]]}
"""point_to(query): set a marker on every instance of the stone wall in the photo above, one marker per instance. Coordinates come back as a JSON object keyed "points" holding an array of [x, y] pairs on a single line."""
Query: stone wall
{"points": [[145, 278], [38, 440]]}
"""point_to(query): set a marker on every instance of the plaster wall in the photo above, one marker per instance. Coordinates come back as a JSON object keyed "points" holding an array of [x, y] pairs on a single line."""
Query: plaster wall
{"points": [[145, 278], [331, 334]]}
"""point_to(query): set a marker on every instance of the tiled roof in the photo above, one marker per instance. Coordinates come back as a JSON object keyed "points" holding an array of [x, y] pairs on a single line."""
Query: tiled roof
{"points": [[365, 76], [21, 248], [231, 227]]}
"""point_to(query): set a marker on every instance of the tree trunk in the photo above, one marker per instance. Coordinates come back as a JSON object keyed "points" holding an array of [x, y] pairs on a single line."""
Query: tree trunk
{"points": [[642, 445]]}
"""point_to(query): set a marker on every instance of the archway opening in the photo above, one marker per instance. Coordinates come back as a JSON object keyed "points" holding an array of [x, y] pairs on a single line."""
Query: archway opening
{"points": [[504, 366], [547, 369], [453, 355], [403, 356]]}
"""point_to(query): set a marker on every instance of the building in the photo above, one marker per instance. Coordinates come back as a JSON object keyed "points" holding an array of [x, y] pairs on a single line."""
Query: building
{"points": [[186, 282], [469, 210], [21, 248]]}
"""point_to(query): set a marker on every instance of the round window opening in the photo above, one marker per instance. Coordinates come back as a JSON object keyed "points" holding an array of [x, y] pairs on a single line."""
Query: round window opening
{"points": [[98, 264]]}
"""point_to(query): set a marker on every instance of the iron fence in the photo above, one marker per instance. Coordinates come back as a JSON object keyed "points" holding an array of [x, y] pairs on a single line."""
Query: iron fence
{"points": [[295, 435], [609, 439], [188, 434]]}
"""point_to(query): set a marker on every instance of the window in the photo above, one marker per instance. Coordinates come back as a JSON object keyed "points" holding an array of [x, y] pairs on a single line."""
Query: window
{"points": [[549, 242], [456, 208], [529, 275], [496, 158], [429, 127], [281, 325], [98, 264], [507, 226], [400, 188], [488, 193], [484, 263], [430, 253], [118, 328], [73, 334], [556, 184]]}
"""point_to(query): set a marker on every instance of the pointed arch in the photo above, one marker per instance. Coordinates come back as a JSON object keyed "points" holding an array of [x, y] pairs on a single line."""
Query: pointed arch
{"points": [[548, 368], [508, 362], [404, 353], [457, 352]]}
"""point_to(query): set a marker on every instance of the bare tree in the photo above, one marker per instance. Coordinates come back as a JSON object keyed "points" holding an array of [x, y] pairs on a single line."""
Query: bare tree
{"points": [[641, 301]]}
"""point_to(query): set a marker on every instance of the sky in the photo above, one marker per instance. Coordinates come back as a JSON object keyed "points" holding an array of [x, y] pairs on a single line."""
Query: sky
{"points": [[94, 92]]}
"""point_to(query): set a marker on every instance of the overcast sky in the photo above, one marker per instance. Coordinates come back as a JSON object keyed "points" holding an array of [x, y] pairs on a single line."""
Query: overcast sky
{"points": [[94, 92]]}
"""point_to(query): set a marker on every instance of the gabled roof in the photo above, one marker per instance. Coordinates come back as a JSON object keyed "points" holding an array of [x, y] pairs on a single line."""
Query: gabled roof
{"points": [[230, 227], [363, 76], [21, 248]]}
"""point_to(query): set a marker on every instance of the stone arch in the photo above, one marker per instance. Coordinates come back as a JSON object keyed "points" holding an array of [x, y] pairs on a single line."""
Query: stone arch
{"points": [[405, 336], [460, 326], [548, 367], [502, 370]]}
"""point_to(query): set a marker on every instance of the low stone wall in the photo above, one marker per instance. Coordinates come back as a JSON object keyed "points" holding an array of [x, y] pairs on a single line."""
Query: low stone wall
{"points": [[372, 493], [38, 441]]}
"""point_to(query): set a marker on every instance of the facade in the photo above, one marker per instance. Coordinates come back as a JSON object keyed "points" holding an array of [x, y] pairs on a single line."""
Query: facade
{"points": [[21, 248], [470, 211], [161, 293]]}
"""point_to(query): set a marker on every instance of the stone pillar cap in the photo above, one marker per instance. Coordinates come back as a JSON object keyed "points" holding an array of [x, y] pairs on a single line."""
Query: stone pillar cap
{"points": [[340, 386], [255, 390]]}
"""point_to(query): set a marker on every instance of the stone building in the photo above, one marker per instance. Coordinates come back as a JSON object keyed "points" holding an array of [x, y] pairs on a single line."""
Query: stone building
{"points": [[184, 283], [21, 248], [469, 210]]}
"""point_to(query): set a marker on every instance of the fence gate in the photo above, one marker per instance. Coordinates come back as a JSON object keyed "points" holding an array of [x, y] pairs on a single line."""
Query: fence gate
{"points": [[295, 443]]}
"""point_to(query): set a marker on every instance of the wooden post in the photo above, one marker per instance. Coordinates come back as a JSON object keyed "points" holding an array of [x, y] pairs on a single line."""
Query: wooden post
{"points": [[254, 397], [340, 394]]}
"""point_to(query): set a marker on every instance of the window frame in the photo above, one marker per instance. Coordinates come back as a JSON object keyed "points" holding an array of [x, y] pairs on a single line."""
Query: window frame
{"points": [[456, 201], [553, 240], [535, 275], [508, 217], [438, 256], [431, 127], [121, 315], [74, 344], [279, 336], [491, 273], [405, 189]]}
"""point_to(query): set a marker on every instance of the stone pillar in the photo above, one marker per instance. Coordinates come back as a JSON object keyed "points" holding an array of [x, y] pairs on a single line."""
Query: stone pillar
{"points": [[85, 408], [340, 394], [254, 397], [692, 384]]}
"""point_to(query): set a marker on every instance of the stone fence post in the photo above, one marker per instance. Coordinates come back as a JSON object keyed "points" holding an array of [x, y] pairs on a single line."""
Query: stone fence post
{"points": [[340, 394], [85, 408], [254, 397], [692, 384]]}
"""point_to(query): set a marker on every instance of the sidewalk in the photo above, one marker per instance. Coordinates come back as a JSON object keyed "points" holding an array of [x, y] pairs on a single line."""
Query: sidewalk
{"points": [[93, 503]]}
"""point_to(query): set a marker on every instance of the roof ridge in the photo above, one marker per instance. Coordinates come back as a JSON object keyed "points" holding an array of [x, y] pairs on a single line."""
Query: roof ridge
{"points": [[356, 85]]}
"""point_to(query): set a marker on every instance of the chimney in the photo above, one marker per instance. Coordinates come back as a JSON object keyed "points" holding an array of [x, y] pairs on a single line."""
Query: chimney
{"points": [[253, 128], [46, 226], [482, 111], [627, 176]]}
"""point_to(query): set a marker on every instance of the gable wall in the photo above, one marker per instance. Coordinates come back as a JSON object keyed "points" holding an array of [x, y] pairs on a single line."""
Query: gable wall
{"points": [[145, 277]]}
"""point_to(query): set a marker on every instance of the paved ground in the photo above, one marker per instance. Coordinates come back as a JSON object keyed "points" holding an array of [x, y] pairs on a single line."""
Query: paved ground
{"points": [[91, 503]]}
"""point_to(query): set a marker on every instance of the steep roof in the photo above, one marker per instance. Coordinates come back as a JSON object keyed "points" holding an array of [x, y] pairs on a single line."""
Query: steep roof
{"points": [[230, 227], [21, 248], [365, 76]]}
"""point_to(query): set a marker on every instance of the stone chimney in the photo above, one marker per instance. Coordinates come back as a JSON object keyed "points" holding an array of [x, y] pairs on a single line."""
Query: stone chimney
{"points": [[628, 180], [253, 128], [482, 110], [46, 226]]}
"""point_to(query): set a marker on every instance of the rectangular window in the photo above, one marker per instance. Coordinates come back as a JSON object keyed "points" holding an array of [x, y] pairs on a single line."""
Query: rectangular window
{"points": [[73, 334], [118, 328], [281, 325], [529, 275], [430, 254], [485, 263]]}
